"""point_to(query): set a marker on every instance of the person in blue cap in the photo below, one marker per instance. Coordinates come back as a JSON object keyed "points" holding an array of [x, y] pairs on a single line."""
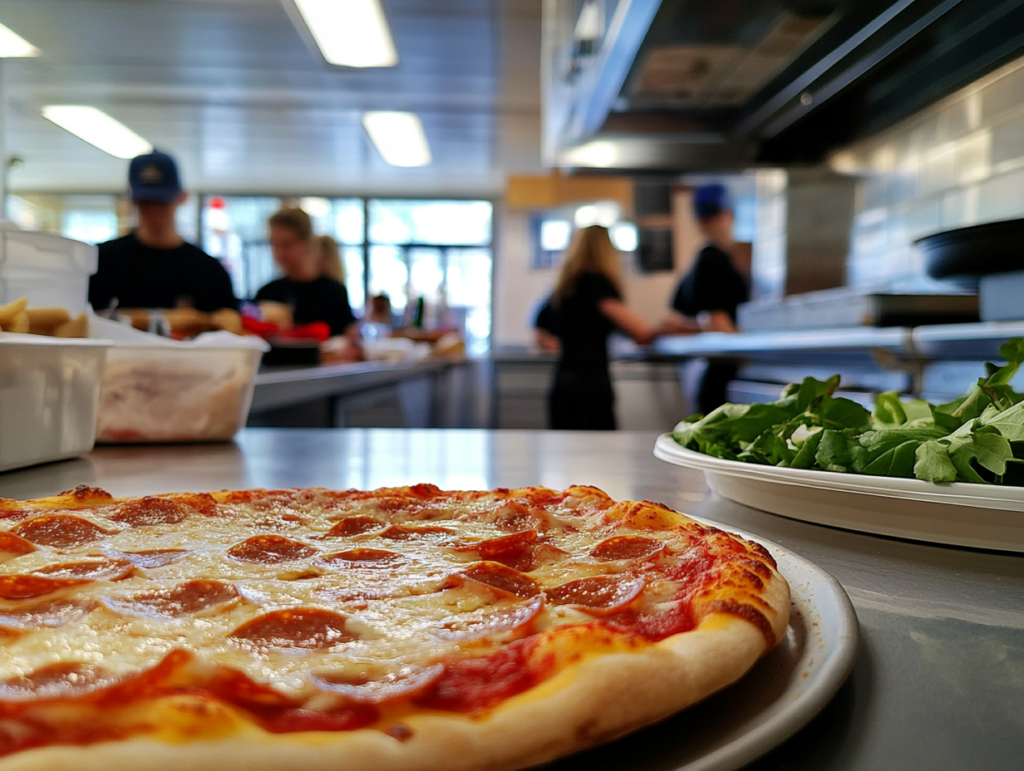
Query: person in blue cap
{"points": [[707, 296], [153, 266]]}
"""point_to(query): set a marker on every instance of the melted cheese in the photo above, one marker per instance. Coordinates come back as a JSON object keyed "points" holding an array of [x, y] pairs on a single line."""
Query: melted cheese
{"points": [[396, 615]]}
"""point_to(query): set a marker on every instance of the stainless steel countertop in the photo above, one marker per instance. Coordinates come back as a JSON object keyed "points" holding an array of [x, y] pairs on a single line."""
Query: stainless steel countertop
{"points": [[939, 682], [939, 341], [283, 386], [895, 339]]}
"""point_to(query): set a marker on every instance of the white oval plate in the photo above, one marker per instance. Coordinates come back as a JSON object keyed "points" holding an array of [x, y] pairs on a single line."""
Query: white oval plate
{"points": [[977, 516], [776, 698]]}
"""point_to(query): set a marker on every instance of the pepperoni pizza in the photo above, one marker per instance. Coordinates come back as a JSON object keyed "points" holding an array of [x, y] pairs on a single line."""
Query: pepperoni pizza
{"points": [[408, 628]]}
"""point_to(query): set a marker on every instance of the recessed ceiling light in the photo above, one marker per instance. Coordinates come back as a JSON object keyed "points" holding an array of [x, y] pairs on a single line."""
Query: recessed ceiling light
{"points": [[98, 129], [399, 137], [349, 33], [13, 45]]}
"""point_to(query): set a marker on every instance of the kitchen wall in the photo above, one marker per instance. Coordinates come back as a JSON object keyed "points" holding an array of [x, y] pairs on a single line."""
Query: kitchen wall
{"points": [[958, 163]]}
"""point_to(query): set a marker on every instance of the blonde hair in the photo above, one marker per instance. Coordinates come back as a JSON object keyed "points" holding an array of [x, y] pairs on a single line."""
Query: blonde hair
{"points": [[590, 251], [330, 259]]}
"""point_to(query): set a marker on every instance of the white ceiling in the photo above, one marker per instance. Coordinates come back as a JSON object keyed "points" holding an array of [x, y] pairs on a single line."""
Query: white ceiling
{"points": [[231, 89]]}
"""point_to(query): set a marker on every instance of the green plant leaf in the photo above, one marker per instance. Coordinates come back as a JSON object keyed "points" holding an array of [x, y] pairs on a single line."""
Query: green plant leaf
{"points": [[932, 462], [1009, 422], [836, 449], [987, 449], [808, 448], [889, 410], [840, 413], [891, 452]]}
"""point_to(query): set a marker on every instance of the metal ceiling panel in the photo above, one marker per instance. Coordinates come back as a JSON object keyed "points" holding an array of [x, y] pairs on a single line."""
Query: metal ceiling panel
{"points": [[230, 87]]}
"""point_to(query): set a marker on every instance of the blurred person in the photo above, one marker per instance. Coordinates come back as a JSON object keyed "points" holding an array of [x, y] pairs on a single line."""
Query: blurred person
{"points": [[380, 310], [311, 295], [153, 266], [330, 259], [588, 301], [708, 295]]}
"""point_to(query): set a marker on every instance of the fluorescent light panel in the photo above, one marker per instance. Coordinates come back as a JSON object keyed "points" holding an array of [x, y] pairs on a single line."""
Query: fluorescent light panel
{"points": [[13, 45], [98, 129], [399, 137], [350, 33]]}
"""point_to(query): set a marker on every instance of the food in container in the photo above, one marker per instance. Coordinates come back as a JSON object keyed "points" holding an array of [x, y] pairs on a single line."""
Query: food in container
{"points": [[160, 390]]}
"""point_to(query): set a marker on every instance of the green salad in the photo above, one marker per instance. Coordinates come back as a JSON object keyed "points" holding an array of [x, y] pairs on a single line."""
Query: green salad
{"points": [[978, 437]]}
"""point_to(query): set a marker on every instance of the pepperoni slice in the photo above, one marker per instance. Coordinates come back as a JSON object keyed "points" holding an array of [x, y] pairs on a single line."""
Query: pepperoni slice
{"points": [[97, 570], [600, 595], [153, 558], [627, 547], [51, 613], [65, 679], [204, 503], [519, 551], [487, 622], [270, 549], [367, 558], [498, 576], [141, 512], [354, 526], [15, 515], [12, 545], [27, 587], [407, 683], [407, 533], [186, 598], [310, 628], [515, 550], [60, 531]]}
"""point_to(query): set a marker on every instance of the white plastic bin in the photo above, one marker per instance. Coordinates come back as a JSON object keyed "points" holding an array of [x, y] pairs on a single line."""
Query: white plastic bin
{"points": [[49, 391], [52, 271]]}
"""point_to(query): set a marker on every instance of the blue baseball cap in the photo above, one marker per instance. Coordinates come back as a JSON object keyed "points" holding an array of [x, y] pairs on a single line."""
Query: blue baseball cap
{"points": [[154, 177], [710, 200]]}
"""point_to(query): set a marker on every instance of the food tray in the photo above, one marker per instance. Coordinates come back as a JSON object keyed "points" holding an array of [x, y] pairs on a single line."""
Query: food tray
{"points": [[961, 514]]}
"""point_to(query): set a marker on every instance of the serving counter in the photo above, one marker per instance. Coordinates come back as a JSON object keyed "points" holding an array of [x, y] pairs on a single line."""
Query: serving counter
{"points": [[939, 678], [414, 394]]}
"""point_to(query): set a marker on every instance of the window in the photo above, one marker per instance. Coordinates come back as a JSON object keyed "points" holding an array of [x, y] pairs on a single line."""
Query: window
{"points": [[235, 232], [439, 251], [89, 218], [430, 222]]}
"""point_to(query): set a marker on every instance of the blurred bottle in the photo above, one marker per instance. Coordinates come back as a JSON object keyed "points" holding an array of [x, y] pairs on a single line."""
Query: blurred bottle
{"points": [[417, 316]]}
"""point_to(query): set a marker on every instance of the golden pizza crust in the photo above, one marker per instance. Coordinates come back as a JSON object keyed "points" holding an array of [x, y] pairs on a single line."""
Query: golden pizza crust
{"points": [[596, 699]]}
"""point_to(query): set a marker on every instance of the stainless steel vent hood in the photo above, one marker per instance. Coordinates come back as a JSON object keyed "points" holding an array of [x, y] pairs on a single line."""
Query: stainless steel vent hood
{"points": [[691, 85]]}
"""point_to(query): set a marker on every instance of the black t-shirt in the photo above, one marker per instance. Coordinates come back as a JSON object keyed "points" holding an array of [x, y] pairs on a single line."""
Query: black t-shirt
{"points": [[713, 284], [141, 276], [547, 320], [584, 329], [322, 299]]}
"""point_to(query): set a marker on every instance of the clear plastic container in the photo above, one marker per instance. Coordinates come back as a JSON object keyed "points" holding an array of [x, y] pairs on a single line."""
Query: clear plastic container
{"points": [[49, 392], [183, 395], [52, 271]]}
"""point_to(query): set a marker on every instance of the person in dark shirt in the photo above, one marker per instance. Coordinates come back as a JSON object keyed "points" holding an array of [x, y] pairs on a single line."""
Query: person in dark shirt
{"points": [[547, 328], [588, 302], [708, 295], [311, 295], [153, 267]]}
